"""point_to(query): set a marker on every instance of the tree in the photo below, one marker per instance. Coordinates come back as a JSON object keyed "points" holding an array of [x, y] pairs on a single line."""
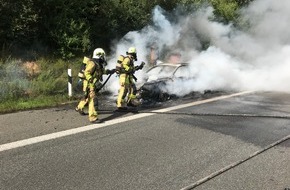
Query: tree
{"points": [[68, 28], [18, 25]]}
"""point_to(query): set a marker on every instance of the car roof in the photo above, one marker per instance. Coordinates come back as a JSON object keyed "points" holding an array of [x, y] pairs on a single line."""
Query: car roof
{"points": [[172, 64], [168, 64], [175, 66]]}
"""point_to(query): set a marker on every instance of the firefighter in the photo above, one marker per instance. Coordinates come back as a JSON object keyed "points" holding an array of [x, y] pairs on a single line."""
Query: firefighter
{"points": [[95, 68], [126, 69]]}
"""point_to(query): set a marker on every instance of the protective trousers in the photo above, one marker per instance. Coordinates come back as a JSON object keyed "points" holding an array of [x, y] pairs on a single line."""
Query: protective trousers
{"points": [[84, 99], [93, 105], [82, 104], [90, 99], [122, 93], [132, 91]]}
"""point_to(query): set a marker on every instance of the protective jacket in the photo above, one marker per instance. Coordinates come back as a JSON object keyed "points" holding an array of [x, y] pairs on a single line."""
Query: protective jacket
{"points": [[94, 72], [126, 81], [93, 75]]}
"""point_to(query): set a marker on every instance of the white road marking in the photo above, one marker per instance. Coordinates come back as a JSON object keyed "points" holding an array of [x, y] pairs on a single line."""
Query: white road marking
{"points": [[34, 140]]}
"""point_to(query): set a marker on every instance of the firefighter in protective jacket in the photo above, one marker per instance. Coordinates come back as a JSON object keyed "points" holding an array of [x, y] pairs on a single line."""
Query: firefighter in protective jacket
{"points": [[95, 68], [125, 68]]}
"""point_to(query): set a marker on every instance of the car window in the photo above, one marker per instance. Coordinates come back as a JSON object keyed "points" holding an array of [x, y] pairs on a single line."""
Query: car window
{"points": [[182, 71], [162, 71]]}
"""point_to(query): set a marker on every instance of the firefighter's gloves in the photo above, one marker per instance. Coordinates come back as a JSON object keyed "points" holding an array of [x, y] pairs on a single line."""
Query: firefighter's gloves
{"points": [[91, 80], [139, 67], [142, 65], [110, 71]]}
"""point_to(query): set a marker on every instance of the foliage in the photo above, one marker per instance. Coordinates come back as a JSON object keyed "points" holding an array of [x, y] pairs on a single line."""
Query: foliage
{"points": [[20, 90], [12, 83], [225, 10], [52, 79], [32, 103], [68, 28]]}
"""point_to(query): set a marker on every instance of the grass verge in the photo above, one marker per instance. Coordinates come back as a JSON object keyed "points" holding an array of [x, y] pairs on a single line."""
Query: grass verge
{"points": [[21, 104]]}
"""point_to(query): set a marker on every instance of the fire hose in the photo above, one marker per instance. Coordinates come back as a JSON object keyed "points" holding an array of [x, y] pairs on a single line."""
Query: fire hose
{"points": [[104, 83]]}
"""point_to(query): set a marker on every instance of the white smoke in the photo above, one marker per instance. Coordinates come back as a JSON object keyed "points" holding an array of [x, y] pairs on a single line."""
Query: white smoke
{"points": [[256, 58]]}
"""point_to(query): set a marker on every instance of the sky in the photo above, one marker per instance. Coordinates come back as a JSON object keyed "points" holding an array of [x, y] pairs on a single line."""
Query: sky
{"points": [[254, 59]]}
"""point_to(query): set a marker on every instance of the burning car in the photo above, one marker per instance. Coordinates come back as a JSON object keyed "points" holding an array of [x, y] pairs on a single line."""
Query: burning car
{"points": [[162, 81]]}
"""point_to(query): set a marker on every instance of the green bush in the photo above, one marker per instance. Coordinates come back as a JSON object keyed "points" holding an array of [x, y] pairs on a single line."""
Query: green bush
{"points": [[13, 81], [52, 78]]}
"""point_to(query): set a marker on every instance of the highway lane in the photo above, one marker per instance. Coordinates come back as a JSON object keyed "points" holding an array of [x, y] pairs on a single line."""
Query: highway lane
{"points": [[172, 150]]}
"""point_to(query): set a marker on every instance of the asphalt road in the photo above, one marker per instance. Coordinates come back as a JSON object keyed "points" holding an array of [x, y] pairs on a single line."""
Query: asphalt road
{"points": [[230, 142]]}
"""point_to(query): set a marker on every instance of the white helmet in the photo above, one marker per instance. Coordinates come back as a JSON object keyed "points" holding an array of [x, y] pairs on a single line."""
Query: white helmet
{"points": [[132, 50], [99, 53]]}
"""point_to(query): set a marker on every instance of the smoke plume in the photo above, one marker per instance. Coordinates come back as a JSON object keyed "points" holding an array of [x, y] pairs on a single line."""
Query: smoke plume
{"points": [[255, 58]]}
